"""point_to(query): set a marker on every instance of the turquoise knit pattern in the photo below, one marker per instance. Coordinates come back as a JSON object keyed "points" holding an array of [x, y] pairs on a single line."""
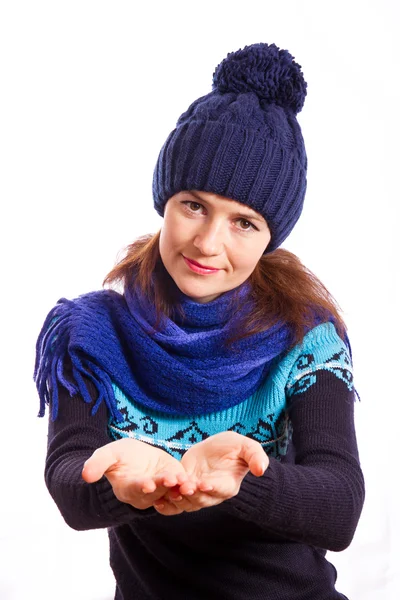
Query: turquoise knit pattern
{"points": [[262, 417]]}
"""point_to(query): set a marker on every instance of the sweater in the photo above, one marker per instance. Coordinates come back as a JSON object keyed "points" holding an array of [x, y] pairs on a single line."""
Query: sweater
{"points": [[268, 542]]}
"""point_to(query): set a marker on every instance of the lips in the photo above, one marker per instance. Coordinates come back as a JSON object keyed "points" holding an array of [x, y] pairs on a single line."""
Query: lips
{"points": [[199, 268], [194, 262]]}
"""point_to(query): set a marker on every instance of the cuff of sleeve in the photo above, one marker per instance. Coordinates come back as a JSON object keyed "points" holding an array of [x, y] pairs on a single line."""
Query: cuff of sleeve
{"points": [[253, 502], [115, 508]]}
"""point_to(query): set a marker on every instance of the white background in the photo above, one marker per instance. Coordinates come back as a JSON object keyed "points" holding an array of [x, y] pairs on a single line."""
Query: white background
{"points": [[89, 92]]}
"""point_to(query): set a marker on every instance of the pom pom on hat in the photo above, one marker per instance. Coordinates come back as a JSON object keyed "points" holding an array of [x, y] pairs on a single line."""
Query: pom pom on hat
{"points": [[267, 71]]}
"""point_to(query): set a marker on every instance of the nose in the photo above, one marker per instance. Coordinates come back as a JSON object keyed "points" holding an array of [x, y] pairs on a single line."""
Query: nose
{"points": [[210, 239]]}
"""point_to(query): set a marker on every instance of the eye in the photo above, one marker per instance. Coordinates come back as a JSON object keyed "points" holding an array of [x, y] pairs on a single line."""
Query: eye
{"points": [[192, 206], [246, 225]]}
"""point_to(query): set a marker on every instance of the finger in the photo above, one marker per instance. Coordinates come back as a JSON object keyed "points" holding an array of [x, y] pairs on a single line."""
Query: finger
{"points": [[101, 460], [152, 497], [174, 494], [203, 486], [166, 479], [181, 478], [259, 464], [195, 502], [188, 488], [254, 455], [163, 507], [148, 486], [182, 505]]}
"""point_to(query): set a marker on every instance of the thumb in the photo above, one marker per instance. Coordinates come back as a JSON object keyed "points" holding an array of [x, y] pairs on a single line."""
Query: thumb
{"points": [[253, 453], [101, 460]]}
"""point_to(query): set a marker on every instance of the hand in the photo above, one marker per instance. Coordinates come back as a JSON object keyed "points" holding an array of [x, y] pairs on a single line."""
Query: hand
{"points": [[139, 473], [216, 468]]}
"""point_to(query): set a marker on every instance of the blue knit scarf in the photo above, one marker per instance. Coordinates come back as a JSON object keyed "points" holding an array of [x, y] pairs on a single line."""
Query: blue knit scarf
{"points": [[182, 369]]}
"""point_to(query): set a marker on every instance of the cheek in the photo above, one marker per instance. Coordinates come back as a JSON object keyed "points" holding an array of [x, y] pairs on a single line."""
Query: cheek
{"points": [[250, 264], [164, 245], [249, 252], [240, 261], [245, 259], [176, 233], [170, 238]]}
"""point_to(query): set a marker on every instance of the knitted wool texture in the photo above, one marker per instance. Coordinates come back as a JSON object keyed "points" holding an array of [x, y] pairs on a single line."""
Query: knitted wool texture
{"points": [[181, 369], [242, 140], [262, 416]]}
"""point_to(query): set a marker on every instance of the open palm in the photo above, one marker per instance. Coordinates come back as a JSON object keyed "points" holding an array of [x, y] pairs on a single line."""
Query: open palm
{"points": [[139, 473], [216, 468]]}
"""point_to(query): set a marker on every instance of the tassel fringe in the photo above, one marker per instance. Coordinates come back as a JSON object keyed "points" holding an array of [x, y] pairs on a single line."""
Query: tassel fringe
{"points": [[52, 348]]}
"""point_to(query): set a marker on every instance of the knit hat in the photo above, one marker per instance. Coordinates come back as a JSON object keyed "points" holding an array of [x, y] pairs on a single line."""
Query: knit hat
{"points": [[242, 140]]}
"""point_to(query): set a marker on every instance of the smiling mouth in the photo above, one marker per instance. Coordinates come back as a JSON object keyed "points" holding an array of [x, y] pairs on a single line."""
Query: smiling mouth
{"points": [[198, 268]]}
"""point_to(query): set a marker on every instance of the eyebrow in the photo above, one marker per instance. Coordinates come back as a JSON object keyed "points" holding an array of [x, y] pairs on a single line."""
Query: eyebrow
{"points": [[249, 215]]}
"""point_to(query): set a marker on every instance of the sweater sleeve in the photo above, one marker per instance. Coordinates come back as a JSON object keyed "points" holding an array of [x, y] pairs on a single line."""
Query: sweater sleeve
{"points": [[318, 498], [72, 438]]}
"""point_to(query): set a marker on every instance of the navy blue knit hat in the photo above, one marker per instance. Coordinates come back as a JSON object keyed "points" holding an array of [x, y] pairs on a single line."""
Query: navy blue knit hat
{"points": [[242, 140]]}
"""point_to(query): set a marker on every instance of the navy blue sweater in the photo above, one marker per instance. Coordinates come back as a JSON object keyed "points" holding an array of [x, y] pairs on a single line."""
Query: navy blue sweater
{"points": [[267, 543]]}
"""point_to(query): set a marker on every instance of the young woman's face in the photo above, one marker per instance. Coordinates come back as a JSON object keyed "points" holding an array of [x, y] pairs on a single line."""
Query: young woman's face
{"points": [[210, 244]]}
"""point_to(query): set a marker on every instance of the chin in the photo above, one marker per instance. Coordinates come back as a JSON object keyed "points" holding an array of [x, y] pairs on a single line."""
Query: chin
{"points": [[198, 292]]}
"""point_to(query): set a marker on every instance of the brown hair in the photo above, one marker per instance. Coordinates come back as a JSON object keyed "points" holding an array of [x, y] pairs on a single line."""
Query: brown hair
{"points": [[283, 289]]}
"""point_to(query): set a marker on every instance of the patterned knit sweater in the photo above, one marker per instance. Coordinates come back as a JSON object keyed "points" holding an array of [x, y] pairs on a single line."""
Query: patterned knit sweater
{"points": [[267, 543]]}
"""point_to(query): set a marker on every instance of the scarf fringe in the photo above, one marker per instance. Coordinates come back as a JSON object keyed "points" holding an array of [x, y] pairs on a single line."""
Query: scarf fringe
{"points": [[51, 352]]}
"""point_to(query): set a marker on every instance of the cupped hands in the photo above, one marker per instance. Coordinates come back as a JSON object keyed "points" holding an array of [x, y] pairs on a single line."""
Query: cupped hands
{"points": [[209, 472]]}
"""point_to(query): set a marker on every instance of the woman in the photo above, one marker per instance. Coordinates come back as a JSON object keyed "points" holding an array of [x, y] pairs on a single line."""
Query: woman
{"points": [[217, 388]]}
